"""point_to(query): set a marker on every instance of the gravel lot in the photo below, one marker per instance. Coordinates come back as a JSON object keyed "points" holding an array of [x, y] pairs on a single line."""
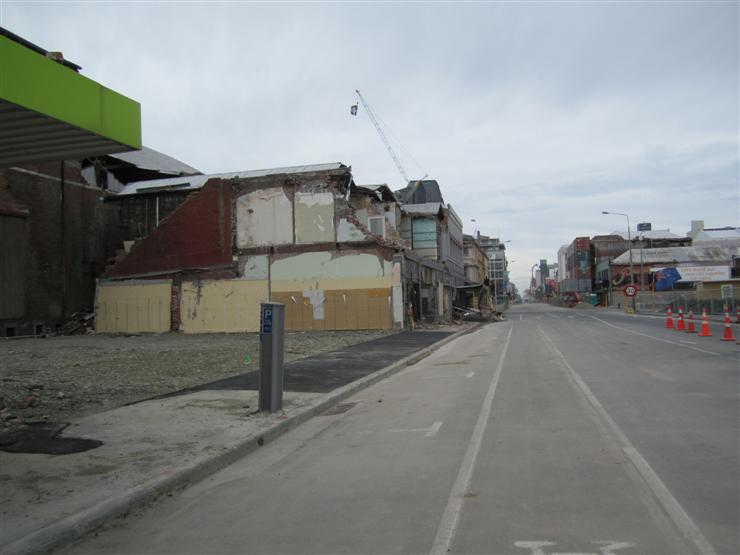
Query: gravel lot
{"points": [[60, 378]]}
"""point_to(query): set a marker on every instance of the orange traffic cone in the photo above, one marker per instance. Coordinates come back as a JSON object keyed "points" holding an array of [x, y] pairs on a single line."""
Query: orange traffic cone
{"points": [[669, 319], [691, 328], [681, 326], [727, 336], [704, 324]]}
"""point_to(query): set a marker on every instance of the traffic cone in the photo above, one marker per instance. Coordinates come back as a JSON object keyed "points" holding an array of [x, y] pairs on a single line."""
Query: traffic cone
{"points": [[727, 336], [704, 324], [669, 319], [691, 328], [681, 326]]}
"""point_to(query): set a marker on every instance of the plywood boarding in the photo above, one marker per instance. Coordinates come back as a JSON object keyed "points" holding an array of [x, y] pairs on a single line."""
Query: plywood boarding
{"points": [[133, 307], [222, 305], [344, 309]]}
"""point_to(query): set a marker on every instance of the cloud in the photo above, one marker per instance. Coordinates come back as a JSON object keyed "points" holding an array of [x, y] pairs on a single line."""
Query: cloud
{"points": [[534, 117]]}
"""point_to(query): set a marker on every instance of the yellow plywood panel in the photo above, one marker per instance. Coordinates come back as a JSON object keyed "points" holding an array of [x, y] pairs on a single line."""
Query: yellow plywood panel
{"points": [[133, 307], [229, 305]]}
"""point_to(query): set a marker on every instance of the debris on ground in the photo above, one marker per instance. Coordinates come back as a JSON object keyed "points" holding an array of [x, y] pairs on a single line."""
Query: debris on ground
{"points": [[56, 379]]}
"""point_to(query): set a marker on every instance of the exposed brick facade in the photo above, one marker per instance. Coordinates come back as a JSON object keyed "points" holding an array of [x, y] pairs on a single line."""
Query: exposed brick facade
{"points": [[69, 235]]}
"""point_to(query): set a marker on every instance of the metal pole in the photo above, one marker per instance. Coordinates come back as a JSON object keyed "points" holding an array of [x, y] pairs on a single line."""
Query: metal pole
{"points": [[272, 330]]}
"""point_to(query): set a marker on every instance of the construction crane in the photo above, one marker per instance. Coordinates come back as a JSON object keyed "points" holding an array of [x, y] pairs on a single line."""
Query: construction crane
{"points": [[388, 147]]}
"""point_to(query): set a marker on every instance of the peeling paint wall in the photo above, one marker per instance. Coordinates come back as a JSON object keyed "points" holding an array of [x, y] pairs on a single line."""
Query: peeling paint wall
{"points": [[133, 306], [348, 232], [264, 217], [314, 217], [254, 267], [329, 291], [231, 305], [330, 270]]}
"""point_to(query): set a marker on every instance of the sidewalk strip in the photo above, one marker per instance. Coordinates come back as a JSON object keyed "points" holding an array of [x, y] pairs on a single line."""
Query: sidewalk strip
{"points": [[670, 504], [451, 517], [69, 528]]}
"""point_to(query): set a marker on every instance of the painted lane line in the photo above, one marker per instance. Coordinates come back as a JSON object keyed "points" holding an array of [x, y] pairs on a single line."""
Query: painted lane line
{"points": [[451, 516], [680, 518], [521, 317], [449, 376], [656, 338], [433, 430]]}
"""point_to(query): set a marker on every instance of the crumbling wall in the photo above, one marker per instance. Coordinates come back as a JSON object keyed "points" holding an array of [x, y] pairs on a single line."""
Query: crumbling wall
{"points": [[66, 243]]}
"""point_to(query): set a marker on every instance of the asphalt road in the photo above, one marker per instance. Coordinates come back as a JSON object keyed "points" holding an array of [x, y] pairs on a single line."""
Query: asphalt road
{"points": [[558, 431]]}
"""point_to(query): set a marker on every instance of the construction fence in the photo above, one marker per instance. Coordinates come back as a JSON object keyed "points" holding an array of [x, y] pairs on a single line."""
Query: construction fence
{"points": [[713, 301]]}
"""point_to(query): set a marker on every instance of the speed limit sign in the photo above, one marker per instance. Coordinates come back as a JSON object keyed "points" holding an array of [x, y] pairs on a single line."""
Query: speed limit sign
{"points": [[630, 290]]}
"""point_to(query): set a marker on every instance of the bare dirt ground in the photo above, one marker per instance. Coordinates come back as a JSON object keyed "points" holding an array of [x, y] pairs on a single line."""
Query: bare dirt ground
{"points": [[60, 378]]}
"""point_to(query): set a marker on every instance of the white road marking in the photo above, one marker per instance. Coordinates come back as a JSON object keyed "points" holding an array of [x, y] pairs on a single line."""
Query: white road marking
{"points": [[433, 430], [534, 546], [608, 547], [521, 317], [677, 514], [552, 315], [448, 376], [656, 338], [451, 516]]}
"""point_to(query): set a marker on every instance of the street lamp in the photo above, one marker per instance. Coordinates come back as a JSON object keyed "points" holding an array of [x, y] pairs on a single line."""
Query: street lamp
{"points": [[629, 241], [531, 283]]}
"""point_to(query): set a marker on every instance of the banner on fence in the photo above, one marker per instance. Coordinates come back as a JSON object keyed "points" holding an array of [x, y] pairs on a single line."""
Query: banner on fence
{"points": [[666, 277]]}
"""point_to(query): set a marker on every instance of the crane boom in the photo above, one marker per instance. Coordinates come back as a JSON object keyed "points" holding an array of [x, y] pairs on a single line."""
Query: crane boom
{"points": [[383, 137]]}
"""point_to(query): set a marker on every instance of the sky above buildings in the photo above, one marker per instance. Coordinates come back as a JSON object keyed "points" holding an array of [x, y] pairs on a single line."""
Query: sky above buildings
{"points": [[534, 117]]}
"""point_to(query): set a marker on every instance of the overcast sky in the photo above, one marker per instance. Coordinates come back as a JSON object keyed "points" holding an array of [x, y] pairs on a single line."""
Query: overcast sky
{"points": [[534, 117]]}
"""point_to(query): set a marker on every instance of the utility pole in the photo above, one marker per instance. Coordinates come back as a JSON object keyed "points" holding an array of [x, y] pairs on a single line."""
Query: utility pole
{"points": [[629, 242]]}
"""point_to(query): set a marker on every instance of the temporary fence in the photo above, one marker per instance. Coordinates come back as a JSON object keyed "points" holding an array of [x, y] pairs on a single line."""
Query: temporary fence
{"points": [[712, 301]]}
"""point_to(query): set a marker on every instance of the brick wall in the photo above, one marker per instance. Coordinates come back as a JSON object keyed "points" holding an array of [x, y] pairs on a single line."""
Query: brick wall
{"points": [[67, 240]]}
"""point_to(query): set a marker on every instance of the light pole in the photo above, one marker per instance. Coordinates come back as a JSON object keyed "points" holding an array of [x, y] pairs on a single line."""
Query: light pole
{"points": [[629, 242], [531, 283]]}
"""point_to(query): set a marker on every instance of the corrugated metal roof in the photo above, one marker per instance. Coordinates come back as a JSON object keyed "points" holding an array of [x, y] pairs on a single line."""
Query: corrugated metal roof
{"points": [[677, 255], [197, 181], [714, 234], [150, 159]]}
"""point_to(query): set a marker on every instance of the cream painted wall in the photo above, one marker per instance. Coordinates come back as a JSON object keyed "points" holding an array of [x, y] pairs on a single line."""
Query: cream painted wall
{"points": [[314, 218], [264, 217], [133, 306], [222, 305], [326, 270]]}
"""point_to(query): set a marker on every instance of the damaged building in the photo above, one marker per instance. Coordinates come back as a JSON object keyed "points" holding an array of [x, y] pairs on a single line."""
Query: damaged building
{"points": [[307, 236], [433, 270]]}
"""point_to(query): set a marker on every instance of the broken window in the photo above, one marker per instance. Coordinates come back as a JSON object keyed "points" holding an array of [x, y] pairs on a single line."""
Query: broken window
{"points": [[377, 225]]}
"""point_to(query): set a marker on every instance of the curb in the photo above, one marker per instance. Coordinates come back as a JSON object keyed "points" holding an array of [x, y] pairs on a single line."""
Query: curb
{"points": [[68, 529]]}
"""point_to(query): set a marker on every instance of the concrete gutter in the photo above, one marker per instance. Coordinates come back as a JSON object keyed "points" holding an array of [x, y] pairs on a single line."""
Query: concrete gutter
{"points": [[70, 528]]}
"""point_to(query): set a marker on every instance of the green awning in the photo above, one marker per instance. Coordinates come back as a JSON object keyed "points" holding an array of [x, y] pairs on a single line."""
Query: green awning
{"points": [[51, 112]]}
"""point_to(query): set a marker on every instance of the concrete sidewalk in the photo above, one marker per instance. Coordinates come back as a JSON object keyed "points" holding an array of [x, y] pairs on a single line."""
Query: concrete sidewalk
{"points": [[156, 446]]}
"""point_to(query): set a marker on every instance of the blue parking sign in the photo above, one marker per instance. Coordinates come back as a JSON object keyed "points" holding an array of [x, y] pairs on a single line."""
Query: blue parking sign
{"points": [[266, 323]]}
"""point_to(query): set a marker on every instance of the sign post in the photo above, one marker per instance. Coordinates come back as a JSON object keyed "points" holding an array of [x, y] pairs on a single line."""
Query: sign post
{"points": [[272, 318]]}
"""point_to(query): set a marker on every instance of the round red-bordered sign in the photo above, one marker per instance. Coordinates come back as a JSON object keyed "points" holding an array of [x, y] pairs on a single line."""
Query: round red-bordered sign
{"points": [[630, 290]]}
